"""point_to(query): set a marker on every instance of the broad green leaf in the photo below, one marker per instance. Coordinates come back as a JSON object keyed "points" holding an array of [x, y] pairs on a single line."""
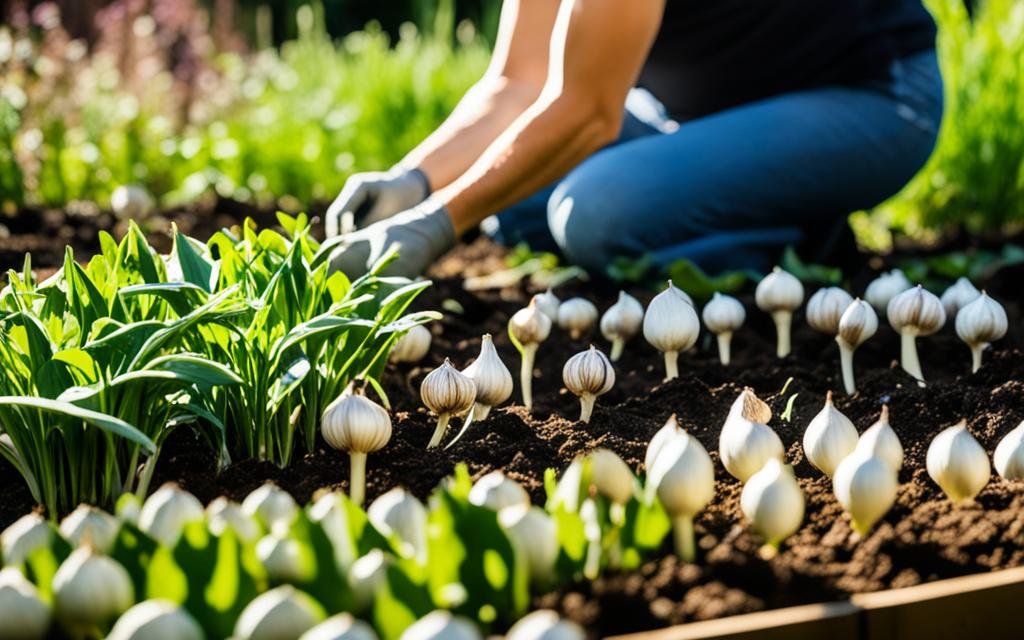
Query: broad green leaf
{"points": [[400, 602], [194, 266], [820, 274], [183, 297], [701, 287], [107, 423]]}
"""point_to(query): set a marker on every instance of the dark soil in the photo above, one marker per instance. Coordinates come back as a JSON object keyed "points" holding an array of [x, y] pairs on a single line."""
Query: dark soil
{"points": [[922, 538]]}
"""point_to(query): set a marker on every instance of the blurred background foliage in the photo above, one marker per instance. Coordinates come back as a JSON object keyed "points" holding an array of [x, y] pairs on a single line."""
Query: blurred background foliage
{"points": [[276, 103]]}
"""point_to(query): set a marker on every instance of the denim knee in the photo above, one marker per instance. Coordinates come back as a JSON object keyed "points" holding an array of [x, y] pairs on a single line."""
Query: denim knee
{"points": [[583, 226]]}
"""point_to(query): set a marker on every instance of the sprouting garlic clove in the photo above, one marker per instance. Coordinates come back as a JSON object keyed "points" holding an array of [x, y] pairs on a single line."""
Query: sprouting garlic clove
{"points": [[492, 379], [857, 324], [587, 375], [90, 590], [282, 557], [746, 442], [23, 536], [915, 312], [496, 491], [958, 464], [92, 525], [611, 476], [270, 505], [621, 322], [156, 619], [529, 327], [664, 435], [671, 326], [683, 477], [223, 514], [534, 534], [577, 316], [774, 504], [165, 514], [826, 307], [545, 624], [960, 294], [548, 303], [360, 426], [1009, 454], [880, 440], [979, 324], [884, 288], [24, 613], [780, 294], [866, 486], [413, 346], [722, 316], [400, 515], [282, 612], [829, 438], [447, 393]]}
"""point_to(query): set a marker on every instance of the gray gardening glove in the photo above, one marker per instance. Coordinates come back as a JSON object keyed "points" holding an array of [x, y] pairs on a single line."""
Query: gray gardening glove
{"points": [[423, 235], [370, 197]]}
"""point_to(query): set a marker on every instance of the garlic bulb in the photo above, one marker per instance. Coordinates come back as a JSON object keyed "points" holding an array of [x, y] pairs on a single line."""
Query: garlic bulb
{"points": [[131, 202], [496, 491], [723, 315], [780, 294], [356, 424], [915, 312], [881, 440], [825, 308], [25, 535], [545, 624], [1009, 454], [577, 316], [856, 326], [611, 476], [166, 513], [223, 514], [958, 296], [399, 515], [447, 393], [683, 478], [367, 577], [492, 379], [412, 346], [866, 486], [534, 535], [621, 322], [746, 442], [587, 375], [664, 435], [884, 288], [957, 463], [156, 620], [529, 327], [90, 590], [671, 326], [342, 626], [441, 625], [128, 508], [548, 303], [283, 557], [979, 323], [282, 612], [24, 614], [829, 438], [92, 525], [774, 504], [270, 505]]}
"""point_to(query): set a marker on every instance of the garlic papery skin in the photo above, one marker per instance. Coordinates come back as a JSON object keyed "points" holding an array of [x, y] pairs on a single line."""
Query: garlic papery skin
{"points": [[360, 426], [722, 316], [282, 612], [545, 624], [90, 591], [496, 491], [780, 294], [587, 375], [342, 626], [534, 535], [866, 486], [884, 288], [980, 323], [774, 504], [662, 437], [683, 477], [25, 535], [958, 464], [492, 379], [1009, 454], [746, 442], [283, 557], [621, 322], [960, 294], [367, 575], [829, 438], [156, 620], [270, 505], [412, 346], [223, 514], [447, 393], [826, 307], [548, 303], [166, 513], [529, 327], [24, 614], [577, 316], [880, 440], [92, 525], [915, 312], [399, 515], [441, 625], [856, 326], [671, 326], [611, 476]]}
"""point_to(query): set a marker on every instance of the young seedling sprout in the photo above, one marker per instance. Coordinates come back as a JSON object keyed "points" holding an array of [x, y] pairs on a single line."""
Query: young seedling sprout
{"points": [[780, 294], [447, 393], [577, 316], [360, 426], [671, 325], [746, 442], [856, 326], [413, 346], [587, 375], [528, 328], [980, 323], [723, 315], [958, 464], [682, 475], [960, 294], [829, 438], [884, 288], [493, 384], [915, 312], [774, 504], [621, 322]]}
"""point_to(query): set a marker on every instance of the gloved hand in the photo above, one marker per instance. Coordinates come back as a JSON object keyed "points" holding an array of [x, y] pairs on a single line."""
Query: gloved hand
{"points": [[423, 235], [373, 196]]}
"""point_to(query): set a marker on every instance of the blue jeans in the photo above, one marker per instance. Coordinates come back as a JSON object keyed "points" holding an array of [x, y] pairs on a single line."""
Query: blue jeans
{"points": [[731, 190]]}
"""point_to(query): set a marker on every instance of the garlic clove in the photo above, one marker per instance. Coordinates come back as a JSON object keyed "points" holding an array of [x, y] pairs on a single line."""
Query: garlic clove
{"points": [[447, 393], [886, 287], [223, 514], [664, 435], [24, 614], [530, 325], [958, 464], [342, 626], [915, 312], [857, 324], [283, 557], [621, 322], [1009, 454], [722, 316], [829, 438], [587, 375], [746, 442], [683, 477], [780, 294], [282, 612], [441, 625], [497, 491], [671, 326], [332, 514], [90, 590], [773, 502], [367, 576], [25, 535], [577, 316], [866, 486], [354, 423], [960, 294], [548, 303], [880, 440], [490, 375], [156, 619], [165, 514], [270, 505], [535, 537], [412, 346], [545, 624], [980, 323], [611, 476], [92, 525], [826, 307], [570, 487], [398, 514]]}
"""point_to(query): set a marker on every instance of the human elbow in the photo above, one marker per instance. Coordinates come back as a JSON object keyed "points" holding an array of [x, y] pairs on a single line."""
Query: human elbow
{"points": [[598, 122]]}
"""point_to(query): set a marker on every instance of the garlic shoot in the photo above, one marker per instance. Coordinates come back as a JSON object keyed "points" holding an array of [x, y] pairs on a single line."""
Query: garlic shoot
{"points": [[1009, 454], [493, 383], [915, 312], [621, 322], [723, 315], [441, 625], [534, 535], [528, 328], [829, 438], [156, 620], [960, 294], [780, 294], [223, 514], [980, 323], [884, 288], [774, 504], [166, 513], [746, 442], [544, 624], [664, 435], [90, 591], [866, 486], [671, 326], [24, 614], [958, 464], [399, 515], [412, 346], [856, 326], [360, 426], [25, 535], [447, 393], [881, 440], [341, 626], [548, 303], [496, 491], [587, 375], [92, 525], [270, 505], [577, 316], [282, 612], [825, 308], [683, 478], [611, 476]]}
